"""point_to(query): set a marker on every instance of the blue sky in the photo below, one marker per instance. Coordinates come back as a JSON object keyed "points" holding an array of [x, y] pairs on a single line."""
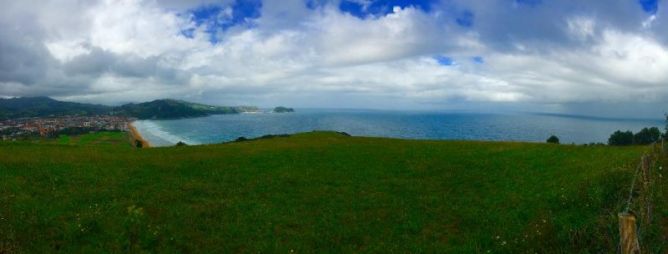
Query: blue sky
{"points": [[363, 9], [217, 18], [559, 56], [649, 6]]}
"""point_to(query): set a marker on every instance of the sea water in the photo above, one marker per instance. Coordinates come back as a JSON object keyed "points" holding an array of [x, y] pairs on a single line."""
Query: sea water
{"points": [[394, 124]]}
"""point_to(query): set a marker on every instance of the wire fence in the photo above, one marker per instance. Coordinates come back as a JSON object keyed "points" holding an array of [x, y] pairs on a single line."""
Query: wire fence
{"points": [[637, 215]]}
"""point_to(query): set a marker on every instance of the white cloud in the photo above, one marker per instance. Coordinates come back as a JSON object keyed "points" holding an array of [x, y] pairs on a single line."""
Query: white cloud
{"points": [[648, 22], [136, 27], [67, 50], [134, 50], [617, 67], [345, 39], [581, 28]]}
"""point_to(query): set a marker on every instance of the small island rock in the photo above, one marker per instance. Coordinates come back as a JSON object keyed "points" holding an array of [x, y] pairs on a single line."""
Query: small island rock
{"points": [[281, 109]]}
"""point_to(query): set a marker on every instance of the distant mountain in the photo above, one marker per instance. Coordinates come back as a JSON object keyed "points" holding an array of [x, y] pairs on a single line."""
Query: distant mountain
{"points": [[45, 106], [281, 109], [157, 109], [172, 109]]}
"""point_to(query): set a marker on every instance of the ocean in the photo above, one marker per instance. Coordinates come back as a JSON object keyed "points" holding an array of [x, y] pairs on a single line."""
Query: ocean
{"points": [[394, 124]]}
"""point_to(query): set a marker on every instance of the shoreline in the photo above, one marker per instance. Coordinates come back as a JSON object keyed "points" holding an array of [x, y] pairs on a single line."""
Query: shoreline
{"points": [[136, 135]]}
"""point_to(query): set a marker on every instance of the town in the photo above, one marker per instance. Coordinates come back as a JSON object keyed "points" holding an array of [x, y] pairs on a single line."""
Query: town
{"points": [[53, 126]]}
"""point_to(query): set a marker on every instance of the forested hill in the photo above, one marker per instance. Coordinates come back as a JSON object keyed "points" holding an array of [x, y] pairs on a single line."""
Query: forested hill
{"points": [[157, 109], [45, 106], [172, 109]]}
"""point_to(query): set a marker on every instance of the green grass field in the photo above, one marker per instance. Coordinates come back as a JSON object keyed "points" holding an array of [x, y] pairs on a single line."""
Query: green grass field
{"points": [[97, 138], [311, 193], [112, 138]]}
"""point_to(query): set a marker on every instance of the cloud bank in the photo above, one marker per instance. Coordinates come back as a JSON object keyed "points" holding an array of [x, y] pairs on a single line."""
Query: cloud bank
{"points": [[564, 56]]}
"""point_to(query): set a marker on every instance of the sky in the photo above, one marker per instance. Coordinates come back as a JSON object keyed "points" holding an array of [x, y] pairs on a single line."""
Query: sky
{"points": [[564, 56]]}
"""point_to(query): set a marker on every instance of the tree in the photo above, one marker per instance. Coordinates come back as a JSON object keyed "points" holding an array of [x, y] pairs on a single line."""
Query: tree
{"points": [[665, 134], [138, 143], [620, 138], [181, 143], [553, 140], [647, 136]]}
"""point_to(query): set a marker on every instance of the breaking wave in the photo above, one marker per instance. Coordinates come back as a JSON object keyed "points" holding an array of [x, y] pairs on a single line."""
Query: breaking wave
{"points": [[157, 136]]}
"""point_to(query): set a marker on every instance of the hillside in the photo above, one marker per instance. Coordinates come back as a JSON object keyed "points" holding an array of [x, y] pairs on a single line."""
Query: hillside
{"points": [[172, 109], [45, 106], [157, 109], [312, 192]]}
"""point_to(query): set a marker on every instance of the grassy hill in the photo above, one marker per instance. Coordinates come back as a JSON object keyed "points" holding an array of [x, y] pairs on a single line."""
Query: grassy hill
{"points": [[314, 192], [172, 109]]}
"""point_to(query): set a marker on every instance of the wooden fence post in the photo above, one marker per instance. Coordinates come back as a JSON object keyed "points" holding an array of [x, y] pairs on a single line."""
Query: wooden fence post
{"points": [[645, 198], [646, 161], [628, 234]]}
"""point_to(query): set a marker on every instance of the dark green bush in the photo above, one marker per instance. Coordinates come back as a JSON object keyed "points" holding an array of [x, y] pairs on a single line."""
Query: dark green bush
{"points": [[620, 138], [138, 143], [665, 134], [553, 140], [647, 136]]}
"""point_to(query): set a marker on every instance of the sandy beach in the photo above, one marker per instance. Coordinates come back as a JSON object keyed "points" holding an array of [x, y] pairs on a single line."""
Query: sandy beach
{"points": [[135, 135]]}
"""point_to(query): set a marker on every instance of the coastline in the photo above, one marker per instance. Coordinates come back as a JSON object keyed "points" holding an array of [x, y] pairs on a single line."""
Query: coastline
{"points": [[135, 135]]}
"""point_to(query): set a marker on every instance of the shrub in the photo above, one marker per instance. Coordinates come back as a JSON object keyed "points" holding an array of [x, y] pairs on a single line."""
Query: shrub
{"points": [[553, 140], [647, 136], [665, 134], [620, 138], [138, 143]]}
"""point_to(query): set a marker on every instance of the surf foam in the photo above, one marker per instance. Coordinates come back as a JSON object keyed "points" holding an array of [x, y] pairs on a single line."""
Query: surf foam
{"points": [[157, 136]]}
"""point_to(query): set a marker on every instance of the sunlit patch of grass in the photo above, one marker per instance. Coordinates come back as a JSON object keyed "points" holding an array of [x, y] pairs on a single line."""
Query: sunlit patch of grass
{"points": [[64, 139]]}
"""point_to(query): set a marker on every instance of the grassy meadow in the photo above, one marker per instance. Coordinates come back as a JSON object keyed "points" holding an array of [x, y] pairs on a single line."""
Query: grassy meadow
{"points": [[658, 233], [317, 192], [97, 138]]}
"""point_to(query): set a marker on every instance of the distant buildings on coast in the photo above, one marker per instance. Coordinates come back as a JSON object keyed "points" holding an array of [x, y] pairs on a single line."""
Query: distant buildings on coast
{"points": [[52, 126]]}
